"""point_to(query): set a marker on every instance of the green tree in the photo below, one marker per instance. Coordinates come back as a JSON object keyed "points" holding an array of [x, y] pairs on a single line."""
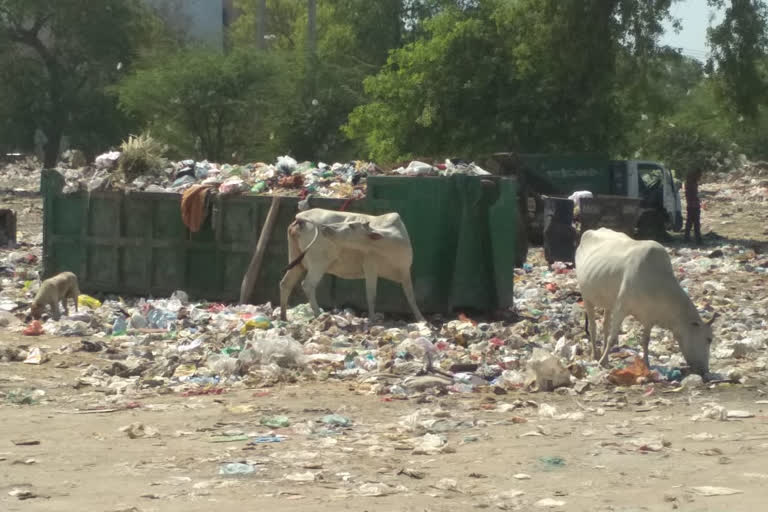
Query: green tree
{"points": [[533, 75], [353, 40], [207, 104], [740, 45], [671, 81], [62, 53]]}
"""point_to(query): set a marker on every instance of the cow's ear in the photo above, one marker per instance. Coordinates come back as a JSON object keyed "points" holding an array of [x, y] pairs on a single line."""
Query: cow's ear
{"points": [[375, 236]]}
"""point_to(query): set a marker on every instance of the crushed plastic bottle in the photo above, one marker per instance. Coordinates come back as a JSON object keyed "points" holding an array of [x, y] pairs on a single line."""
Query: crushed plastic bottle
{"points": [[159, 319], [236, 469], [120, 326]]}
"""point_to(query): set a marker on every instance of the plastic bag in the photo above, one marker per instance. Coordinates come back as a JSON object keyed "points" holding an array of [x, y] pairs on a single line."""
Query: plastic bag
{"points": [[87, 301], [34, 329], [286, 164], [548, 370], [222, 365], [159, 319], [259, 322], [233, 186], [281, 350], [633, 374]]}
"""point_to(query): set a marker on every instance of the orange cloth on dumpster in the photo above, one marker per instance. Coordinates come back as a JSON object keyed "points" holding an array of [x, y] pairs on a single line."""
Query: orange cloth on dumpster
{"points": [[193, 206]]}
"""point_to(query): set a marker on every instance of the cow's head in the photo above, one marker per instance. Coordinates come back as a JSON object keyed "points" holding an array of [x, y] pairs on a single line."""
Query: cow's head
{"points": [[295, 227], [695, 345], [353, 233], [36, 310]]}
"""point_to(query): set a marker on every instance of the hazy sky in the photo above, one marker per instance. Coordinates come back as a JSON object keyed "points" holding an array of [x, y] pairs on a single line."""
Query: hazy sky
{"points": [[692, 39]]}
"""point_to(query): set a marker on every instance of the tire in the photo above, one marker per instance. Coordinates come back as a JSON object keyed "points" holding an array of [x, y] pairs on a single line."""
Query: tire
{"points": [[652, 226]]}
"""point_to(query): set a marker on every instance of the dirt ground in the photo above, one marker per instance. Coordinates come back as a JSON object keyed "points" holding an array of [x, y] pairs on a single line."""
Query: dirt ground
{"points": [[604, 450], [629, 451]]}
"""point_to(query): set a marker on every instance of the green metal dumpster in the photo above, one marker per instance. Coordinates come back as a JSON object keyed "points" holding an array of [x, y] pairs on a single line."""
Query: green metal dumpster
{"points": [[463, 231]]}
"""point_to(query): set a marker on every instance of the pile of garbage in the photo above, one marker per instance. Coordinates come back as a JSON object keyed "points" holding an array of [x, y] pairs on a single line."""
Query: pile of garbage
{"points": [[284, 177], [20, 176], [174, 343]]}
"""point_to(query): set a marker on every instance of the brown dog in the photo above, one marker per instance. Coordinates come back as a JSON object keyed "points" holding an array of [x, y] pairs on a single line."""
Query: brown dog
{"points": [[57, 289]]}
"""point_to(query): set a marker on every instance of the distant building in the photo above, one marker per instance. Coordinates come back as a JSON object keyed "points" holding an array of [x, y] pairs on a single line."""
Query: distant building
{"points": [[197, 21]]}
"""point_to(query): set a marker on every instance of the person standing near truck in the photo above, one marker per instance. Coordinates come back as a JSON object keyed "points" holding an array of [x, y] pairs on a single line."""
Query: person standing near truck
{"points": [[693, 206]]}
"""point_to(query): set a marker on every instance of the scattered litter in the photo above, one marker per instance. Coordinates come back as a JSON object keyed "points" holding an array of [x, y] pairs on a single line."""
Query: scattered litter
{"points": [[712, 412], [302, 477], [548, 370], [139, 430], [36, 356], [636, 373], [552, 462], [336, 420], [228, 438], [379, 489], [275, 421], [735, 414], [413, 473], [236, 469], [22, 494], [429, 444], [692, 381], [26, 442], [714, 491], [549, 503], [275, 438]]}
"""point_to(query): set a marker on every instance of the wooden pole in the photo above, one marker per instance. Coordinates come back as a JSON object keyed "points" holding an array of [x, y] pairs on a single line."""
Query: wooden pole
{"points": [[249, 280], [261, 34]]}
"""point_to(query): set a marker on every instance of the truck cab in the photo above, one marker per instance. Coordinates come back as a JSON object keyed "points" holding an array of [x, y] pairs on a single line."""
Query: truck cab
{"points": [[654, 185], [652, 197]]}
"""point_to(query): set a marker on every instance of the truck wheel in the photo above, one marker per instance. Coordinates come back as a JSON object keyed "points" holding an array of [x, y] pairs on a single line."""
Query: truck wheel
{"points": [[651, 226]]}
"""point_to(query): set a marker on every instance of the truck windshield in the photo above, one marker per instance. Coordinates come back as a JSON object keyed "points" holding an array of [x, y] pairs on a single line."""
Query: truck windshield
{"points": [[651, 183]]}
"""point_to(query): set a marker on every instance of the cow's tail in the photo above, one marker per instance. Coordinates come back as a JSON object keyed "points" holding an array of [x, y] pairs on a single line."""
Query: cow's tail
{"points": [[300, 257]]}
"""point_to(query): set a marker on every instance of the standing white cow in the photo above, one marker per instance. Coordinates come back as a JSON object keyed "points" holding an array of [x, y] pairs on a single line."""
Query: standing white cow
{"points": [[349, 246], [630, 277]]}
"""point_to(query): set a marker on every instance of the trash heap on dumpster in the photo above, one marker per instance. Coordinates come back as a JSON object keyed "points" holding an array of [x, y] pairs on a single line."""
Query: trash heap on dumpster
{"points": [[284, 177]]}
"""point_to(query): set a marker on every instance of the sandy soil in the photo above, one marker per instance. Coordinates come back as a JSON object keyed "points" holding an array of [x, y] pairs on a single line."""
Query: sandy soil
{"points": [[642, 453]]}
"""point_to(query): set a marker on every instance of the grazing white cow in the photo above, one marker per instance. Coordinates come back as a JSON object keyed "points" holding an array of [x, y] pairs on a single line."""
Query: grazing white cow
{"points": [[349, 246], [630, 277]]}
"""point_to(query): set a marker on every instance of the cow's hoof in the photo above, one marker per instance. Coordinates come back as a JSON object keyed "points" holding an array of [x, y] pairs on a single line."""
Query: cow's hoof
{"points": [[377, 318]]}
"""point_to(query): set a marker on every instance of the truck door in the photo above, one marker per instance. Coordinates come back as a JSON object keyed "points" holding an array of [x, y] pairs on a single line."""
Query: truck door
{"points": [[657, 189], [650, 183]]}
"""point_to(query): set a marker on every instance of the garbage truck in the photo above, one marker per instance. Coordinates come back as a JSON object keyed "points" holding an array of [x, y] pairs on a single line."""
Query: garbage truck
{"points": [[638, 196]]}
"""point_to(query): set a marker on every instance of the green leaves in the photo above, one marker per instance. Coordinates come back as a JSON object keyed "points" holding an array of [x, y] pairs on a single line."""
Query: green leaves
{"points": [[740, 45], [196, 97], [58, 55]]}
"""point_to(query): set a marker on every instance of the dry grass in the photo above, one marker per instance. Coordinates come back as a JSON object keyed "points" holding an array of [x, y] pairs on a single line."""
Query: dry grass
{"points": [[140, 156]]}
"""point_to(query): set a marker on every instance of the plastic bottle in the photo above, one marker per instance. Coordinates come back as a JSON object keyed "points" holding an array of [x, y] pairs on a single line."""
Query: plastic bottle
{"points": [[236, 469], [159, 319], [120, 326]]}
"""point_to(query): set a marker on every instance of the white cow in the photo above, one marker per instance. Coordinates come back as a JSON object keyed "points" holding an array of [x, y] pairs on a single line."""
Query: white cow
{"points": [[630, 277], [349, 246]]}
